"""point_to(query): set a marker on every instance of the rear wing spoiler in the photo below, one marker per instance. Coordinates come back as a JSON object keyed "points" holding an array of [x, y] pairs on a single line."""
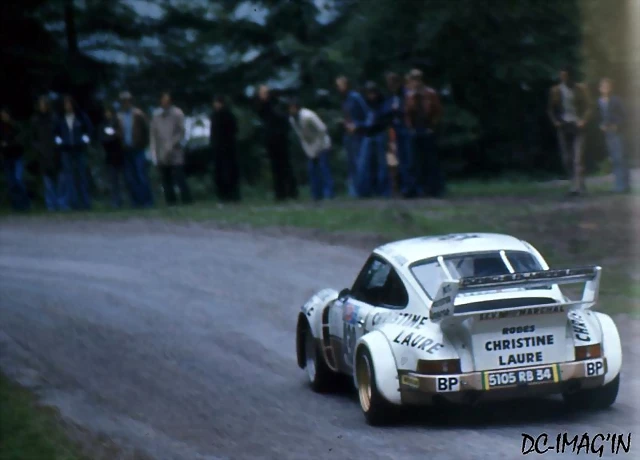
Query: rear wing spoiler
{"points": [[444, 302]]}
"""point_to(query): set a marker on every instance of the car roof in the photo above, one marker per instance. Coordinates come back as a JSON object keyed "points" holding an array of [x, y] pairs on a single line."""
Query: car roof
{"points": [[408, 251]]}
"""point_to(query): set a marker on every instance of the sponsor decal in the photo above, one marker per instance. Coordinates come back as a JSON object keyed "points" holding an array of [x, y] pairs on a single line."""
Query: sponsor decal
{"points": [[349, 335], [440, 302], [420, 342], [448, 384], [439, 314], [594, 368], [515, 344], [410, 381], [520, 342], [518, 329], [401, 319], [523, 312], [580, 330], [351, 313]]}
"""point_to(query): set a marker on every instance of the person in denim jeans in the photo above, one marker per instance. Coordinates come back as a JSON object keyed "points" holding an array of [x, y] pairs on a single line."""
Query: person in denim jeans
{"points": [[11, 153], [373, 152], [43, 126], [73, 134], [422, 115], [611, 116], [135, 139], [354, 109], [316, 144]]}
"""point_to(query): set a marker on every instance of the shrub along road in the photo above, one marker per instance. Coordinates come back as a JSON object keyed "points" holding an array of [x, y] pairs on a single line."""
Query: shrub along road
{"points": [[178, 340]]}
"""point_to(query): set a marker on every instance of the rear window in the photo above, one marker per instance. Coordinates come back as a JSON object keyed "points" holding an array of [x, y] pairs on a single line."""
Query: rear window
{"points": [[430, 274]]}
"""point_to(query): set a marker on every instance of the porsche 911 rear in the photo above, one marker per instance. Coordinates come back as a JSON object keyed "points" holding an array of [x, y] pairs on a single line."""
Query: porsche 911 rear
{"points": [[515, 343], [505, 358]]}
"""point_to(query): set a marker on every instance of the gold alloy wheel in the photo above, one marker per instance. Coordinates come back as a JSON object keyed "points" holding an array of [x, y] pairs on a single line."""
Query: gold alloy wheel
{"points": [[363, 374]]}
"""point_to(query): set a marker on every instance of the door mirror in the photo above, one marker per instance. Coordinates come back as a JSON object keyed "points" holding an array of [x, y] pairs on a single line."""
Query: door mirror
{"points": [[344, 293]]}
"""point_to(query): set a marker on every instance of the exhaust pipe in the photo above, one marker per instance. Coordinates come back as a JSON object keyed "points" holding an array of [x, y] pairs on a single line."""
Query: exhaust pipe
{"points": [[572, 386], [471, 398]]}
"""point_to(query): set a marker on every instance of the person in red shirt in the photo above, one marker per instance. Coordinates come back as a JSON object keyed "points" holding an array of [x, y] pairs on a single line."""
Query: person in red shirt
{"points": [[423, 112]]}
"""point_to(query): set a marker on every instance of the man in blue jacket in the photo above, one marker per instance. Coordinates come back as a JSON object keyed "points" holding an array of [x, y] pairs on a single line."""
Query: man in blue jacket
{"points": [[611, 118], [73, 134], [373, 152], [354, 109]]}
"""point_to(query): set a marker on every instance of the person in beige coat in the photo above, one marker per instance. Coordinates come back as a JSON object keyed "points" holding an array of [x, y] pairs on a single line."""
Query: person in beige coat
{"points": [[316, 144], [167, 135]]}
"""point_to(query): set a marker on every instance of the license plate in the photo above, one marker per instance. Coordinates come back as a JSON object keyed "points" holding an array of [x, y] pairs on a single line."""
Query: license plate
{"points": [[511, 378]]}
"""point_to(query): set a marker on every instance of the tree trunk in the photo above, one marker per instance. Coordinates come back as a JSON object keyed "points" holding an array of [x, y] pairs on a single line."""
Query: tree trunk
{"points": [[70, 28], [302, 34]]}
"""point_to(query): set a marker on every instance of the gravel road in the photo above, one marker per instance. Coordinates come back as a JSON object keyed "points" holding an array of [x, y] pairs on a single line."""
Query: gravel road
{"points": [[177, 341]]}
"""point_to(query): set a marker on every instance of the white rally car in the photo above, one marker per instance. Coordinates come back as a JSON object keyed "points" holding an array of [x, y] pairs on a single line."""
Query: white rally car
{"points": [[461, 318]]}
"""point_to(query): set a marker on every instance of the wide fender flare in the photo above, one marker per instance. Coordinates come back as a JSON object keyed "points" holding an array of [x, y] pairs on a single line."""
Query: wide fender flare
{"points": [[310, 317], [612, 347], [384, 365]]}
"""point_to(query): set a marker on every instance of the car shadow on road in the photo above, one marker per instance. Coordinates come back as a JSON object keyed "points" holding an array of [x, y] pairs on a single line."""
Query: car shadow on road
{"points": [[531, 411]]}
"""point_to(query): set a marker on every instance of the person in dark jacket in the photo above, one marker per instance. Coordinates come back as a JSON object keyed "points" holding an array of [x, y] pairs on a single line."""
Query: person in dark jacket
{"points": [[354, 109], [73, 134], [222, 138], [276, 126], [396, 105], [11, 152], [611, 118], [373, 152], [423, 112], [43, 127], [569, 109], [111, 139]]}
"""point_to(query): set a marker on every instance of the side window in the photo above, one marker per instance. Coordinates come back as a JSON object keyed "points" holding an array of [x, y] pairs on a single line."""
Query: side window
{"points": [[523, 262], [395, 294], [379, 284]]}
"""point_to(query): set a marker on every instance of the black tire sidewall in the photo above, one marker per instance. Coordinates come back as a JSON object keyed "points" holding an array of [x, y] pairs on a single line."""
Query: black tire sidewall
{"points": [[594, 398], [323, 375], [379, 410]]}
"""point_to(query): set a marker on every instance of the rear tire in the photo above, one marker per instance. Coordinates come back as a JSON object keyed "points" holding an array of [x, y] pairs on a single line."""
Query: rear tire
{"points": [[321, 378], [594, 398], [377, 410]]}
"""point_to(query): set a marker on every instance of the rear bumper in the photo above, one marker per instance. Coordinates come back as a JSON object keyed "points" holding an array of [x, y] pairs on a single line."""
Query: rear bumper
{"points": [[474, 386]]}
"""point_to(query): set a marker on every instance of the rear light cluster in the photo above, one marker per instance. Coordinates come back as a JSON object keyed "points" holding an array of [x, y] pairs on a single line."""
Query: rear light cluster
{"points": [[438, 367], [588, 352]]}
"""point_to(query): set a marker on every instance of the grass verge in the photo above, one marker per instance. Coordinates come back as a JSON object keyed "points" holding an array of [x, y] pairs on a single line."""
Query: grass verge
{"points": [[29, 431]]}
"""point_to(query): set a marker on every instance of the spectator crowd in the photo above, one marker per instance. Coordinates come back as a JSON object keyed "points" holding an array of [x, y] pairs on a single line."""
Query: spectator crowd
{"points": [[389, 137]]}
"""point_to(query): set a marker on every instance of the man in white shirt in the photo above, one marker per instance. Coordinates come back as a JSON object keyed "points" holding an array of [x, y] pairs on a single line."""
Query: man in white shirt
{"points": [[316, 143]]}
